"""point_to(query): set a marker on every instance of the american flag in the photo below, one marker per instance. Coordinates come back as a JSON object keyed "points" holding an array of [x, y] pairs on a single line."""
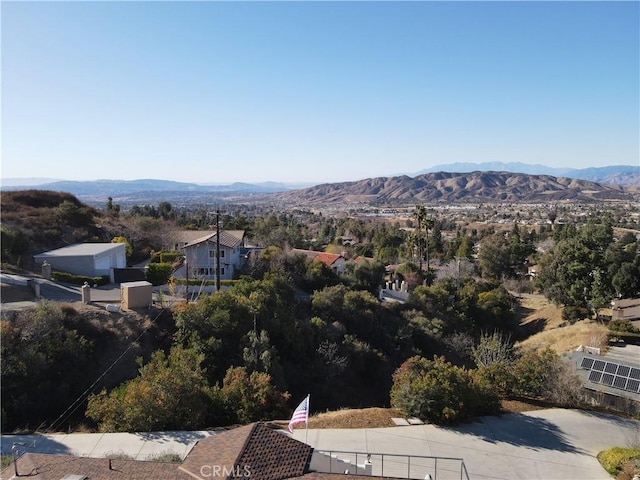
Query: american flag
{"points": [[300, 414]]}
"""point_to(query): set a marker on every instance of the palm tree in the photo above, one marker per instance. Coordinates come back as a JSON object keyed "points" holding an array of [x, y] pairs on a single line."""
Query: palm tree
{"points": [[421, 214], [426, 222]]}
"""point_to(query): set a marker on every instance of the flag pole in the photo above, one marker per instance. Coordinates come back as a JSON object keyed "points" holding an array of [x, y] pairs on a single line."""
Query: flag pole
{"points": [[306, 432]]}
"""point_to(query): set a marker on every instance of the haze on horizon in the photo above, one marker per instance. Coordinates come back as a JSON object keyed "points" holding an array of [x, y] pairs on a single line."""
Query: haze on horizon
{"points": [[219, 92]]}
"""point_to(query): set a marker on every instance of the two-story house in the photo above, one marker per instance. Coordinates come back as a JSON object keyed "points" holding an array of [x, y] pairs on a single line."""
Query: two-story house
{"points": [[201, 255]]}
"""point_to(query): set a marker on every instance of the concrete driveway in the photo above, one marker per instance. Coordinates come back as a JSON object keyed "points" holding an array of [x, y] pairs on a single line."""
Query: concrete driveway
{"points": [[539, 445]]}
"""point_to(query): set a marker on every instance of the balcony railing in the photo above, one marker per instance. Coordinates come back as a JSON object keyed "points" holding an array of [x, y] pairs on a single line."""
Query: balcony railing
{"points": [[389, 465]]}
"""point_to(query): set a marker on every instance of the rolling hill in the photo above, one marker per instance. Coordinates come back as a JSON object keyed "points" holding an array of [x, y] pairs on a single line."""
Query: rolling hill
{"points": [[474, 187]]}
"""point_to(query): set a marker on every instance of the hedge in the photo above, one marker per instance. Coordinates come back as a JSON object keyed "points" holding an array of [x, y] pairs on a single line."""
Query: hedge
{"points": [[79, 279]]}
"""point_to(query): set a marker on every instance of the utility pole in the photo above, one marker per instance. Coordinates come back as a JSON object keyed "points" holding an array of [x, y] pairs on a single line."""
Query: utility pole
{"points": [[217, 250], [186, 269]]}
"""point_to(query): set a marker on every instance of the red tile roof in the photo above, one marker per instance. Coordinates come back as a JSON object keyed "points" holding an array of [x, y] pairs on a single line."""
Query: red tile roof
{"points": [[326, 258]]}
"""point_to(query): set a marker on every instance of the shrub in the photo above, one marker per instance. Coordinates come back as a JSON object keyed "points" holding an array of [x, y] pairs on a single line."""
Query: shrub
{"points": [[573, 314], [622, 326], [158, 273], [545, 374], [79, 279], [73, 214], [171, 392], [128, 247], [613, 458], [170, 257], [440, 392], [168, 456], [252, 397], [13, 242]]}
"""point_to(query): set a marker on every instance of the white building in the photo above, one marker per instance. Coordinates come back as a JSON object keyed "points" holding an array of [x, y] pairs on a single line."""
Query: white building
{"points": [[88, 259]]}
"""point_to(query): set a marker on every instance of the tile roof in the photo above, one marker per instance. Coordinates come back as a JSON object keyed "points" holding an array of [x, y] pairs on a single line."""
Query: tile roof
{"points": [[40, 466], [264, 452], [360, 258], [326, 258]]}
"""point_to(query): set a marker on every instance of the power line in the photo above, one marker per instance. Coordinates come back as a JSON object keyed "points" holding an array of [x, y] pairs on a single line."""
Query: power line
{"points": [[78, 401]]}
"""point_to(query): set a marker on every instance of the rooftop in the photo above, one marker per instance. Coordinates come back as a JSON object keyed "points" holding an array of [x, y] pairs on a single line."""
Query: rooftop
{"points": [[82, 249], [255, 449]]}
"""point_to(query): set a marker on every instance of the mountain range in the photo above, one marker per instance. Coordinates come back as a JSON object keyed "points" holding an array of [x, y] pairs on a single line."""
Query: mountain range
{"points": [[449, 188], [458, 182], [624, 175]]}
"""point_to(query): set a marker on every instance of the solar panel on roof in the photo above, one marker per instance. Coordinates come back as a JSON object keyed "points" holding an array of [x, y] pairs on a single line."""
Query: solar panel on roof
{"points": [[611, 367], [587, 363], [598, 365], [595, 376], [623, 370], [635, 373], [633, 386], [607, 379], [619, 382]]}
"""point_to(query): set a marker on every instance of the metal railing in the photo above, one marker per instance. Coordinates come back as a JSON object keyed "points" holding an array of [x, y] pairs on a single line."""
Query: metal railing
{"points": [[392, 465]]}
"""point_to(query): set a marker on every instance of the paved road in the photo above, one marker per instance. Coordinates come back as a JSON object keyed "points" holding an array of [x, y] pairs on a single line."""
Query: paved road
{"points": [[59, 292]]}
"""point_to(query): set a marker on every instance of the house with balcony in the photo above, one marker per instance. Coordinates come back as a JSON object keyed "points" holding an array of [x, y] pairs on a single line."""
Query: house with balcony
{"points": [[200, 252]]}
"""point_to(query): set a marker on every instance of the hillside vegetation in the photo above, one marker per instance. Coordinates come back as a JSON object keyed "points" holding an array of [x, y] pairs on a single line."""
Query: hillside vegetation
{"points": [[34, 221], [291, 326]]}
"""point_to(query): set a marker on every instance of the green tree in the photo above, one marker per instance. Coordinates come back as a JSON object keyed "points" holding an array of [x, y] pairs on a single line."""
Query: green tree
{"points": [[494, 257], [73, 214], [328, 303], [158, 273], [215, 326], [252, 397], [626, 280], [495, 308], [13, 243], [260, 356], [578, 271], [112, 209], [171, 393], [367, 276], [45, 363], [319, 275]]}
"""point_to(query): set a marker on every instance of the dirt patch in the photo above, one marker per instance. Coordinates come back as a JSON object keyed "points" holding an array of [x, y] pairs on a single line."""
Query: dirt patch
{"points": [[540, 308], [382, 417], [542, 326], [567, 338], [360, 418]]}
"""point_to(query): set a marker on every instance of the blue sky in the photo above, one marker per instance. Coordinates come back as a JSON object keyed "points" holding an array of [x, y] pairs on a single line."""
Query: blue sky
{"points": [[217, 92]]}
